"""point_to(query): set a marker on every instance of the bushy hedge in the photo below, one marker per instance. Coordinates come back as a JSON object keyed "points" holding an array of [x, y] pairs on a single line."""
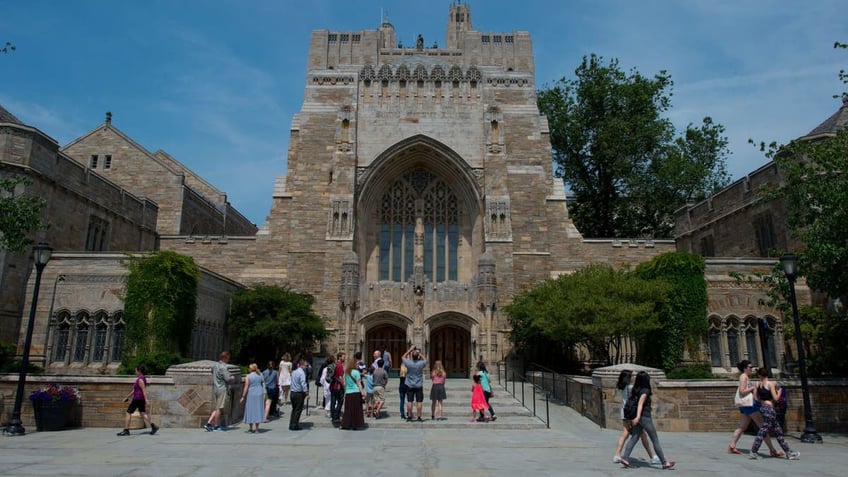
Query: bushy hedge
{"points": [[156, 363]]}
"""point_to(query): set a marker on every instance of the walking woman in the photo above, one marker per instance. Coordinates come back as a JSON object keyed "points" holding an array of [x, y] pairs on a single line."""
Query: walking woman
{"points": [[643, 421], [253, 398], [437, 391], [354, 396], [767, 395], [487, 391], [625, 387], [285, 376], [748, 413]]}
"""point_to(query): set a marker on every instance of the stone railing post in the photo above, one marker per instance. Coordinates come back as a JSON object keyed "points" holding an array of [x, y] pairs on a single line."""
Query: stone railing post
{"points": [[191, 400]]}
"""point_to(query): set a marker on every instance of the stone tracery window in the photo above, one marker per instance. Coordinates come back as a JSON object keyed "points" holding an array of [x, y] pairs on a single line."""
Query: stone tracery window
{"points": [[419, 196], [81, 337]]}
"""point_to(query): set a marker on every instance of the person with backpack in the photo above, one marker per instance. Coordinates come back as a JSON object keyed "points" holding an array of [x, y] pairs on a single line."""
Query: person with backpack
{"points": [[638, 409], [625, 387]]}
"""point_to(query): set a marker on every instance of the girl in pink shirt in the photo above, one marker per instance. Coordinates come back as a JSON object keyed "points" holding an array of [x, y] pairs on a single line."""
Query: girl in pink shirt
{"points": [[437, 392]]}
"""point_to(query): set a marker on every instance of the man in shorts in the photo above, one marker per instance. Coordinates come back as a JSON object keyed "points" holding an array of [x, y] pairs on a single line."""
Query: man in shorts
{"points": [[414, 380], [221, 380], [380, 378]]}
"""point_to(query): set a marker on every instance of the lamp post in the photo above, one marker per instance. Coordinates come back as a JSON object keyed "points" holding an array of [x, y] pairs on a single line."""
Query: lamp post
{"points": [[789, 264], [41, 255], [763, 332]]}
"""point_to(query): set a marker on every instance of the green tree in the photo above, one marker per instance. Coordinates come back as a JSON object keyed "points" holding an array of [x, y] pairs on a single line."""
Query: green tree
{"points": [[683, 315], [160, 304], [20, 213], [619, 155], [266, 321], [596, 307]]}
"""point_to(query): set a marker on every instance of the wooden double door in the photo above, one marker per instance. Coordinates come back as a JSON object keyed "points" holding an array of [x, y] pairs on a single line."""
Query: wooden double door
{"points": [[390, 337], [449, 344]]}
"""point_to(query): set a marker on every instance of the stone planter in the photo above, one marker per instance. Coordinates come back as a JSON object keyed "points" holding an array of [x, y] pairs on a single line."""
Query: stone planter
{"points": [[52, 415]]}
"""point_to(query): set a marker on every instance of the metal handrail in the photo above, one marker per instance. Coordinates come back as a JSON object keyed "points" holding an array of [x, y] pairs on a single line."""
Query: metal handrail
{"points": [[536, 390]]}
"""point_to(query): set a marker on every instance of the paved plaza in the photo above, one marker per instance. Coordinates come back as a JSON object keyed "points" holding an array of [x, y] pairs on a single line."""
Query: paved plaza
{"points": [[390, 447]]}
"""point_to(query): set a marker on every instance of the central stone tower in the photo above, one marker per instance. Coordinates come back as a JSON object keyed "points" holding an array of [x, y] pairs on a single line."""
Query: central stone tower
{"points": [[419, 196]]}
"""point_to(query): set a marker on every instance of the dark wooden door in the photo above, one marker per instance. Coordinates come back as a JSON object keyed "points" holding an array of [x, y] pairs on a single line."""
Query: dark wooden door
{"points": [[389, 336], [450, 345]]}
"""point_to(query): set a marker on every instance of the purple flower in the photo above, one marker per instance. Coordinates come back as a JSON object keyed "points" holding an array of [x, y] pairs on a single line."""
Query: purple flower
{"points": [[54, 392]]}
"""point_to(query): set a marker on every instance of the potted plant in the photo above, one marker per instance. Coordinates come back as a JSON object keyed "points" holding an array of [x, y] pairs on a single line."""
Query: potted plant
{"points": [[52, 405]]}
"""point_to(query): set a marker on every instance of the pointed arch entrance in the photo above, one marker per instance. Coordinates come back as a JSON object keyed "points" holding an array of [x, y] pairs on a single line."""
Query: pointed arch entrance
{"points": [[386, 335], [451, 344]]}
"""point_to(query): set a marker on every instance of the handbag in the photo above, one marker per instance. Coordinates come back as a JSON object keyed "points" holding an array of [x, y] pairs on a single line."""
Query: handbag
{"points": [[743, 401]]}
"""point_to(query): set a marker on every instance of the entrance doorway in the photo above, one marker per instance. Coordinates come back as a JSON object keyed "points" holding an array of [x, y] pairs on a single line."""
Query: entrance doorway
{"points": [[389, 336], [450, 345]]}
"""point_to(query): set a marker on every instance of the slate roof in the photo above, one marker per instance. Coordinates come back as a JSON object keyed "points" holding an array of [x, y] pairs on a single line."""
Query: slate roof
{"points": [[7, 117], [838, 120]]}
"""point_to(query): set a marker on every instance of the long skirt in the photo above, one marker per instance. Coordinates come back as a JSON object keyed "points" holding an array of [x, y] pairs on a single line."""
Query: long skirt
{"points": [[353, 418]]}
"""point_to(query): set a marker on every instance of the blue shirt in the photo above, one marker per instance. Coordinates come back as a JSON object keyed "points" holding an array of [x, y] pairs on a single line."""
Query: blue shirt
{"points": [[484, 381], [369, 384], [299, 384]]}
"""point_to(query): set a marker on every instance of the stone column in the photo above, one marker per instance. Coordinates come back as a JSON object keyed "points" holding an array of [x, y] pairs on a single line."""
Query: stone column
{"points": [[191, 400]]}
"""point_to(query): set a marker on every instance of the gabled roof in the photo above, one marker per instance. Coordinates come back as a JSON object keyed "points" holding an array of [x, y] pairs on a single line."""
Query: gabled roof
{"points": [[7, 117], [108, 125], [831, 125]]}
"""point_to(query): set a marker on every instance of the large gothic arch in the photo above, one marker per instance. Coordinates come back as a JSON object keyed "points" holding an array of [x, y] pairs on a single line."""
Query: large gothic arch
{"points": [[418, 191]]}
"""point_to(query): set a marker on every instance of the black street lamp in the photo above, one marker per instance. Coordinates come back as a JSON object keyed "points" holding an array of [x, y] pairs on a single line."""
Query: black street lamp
{"points": [[41, 255], [790, 269]]}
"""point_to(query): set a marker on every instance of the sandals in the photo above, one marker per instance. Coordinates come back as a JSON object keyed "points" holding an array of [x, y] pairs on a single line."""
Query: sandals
{"points": [[733, 450], [668, 465], [777, 453], [624, 463]]}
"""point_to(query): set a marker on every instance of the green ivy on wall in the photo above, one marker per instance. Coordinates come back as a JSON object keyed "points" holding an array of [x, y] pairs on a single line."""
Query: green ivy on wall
{"points": [[683, 316], [159, 304]]}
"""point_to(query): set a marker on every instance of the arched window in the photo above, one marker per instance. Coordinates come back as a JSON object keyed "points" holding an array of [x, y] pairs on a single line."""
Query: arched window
{"points": [[81, 337], [117, 338], [715, 343], [752, 341], [100, 330], [419, 197], [733, 341], [61, 336]]}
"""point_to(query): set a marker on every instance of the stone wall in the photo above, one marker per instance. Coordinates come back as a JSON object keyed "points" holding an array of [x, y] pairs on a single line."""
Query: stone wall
{"points": [[89, 286], [728, 219], [76, 197], [694, 405], [181, 398]]}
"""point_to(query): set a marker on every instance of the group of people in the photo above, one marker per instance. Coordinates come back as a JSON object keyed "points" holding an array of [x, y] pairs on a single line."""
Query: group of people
{"points": [[767, 401], [351, 389], [346, 384]]}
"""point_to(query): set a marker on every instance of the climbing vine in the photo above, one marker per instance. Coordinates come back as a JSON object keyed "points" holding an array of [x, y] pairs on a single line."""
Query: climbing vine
{"points": [[683, 315], [160, 304]]}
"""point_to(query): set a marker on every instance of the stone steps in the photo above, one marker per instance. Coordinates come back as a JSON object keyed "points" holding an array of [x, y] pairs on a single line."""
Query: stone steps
{"points": [[456, 411]]}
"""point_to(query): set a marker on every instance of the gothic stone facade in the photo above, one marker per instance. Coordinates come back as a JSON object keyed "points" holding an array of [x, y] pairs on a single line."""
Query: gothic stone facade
{"points": [[419, 196], [85, 210], [188, 204], [419, 200]]}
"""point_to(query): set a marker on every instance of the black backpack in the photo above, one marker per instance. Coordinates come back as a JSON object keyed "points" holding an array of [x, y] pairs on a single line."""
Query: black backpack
{"points": [[631, 406]]}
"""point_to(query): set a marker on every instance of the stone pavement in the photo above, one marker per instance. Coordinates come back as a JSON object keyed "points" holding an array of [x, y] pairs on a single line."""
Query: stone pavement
{"points": [[573, 446]]}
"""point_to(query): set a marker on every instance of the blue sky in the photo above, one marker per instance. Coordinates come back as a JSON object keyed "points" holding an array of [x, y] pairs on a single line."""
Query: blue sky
{"points": [[215, 83]]}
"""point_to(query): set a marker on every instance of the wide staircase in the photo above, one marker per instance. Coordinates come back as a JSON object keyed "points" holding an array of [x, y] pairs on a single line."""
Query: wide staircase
{"points": [[511, 414]]}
